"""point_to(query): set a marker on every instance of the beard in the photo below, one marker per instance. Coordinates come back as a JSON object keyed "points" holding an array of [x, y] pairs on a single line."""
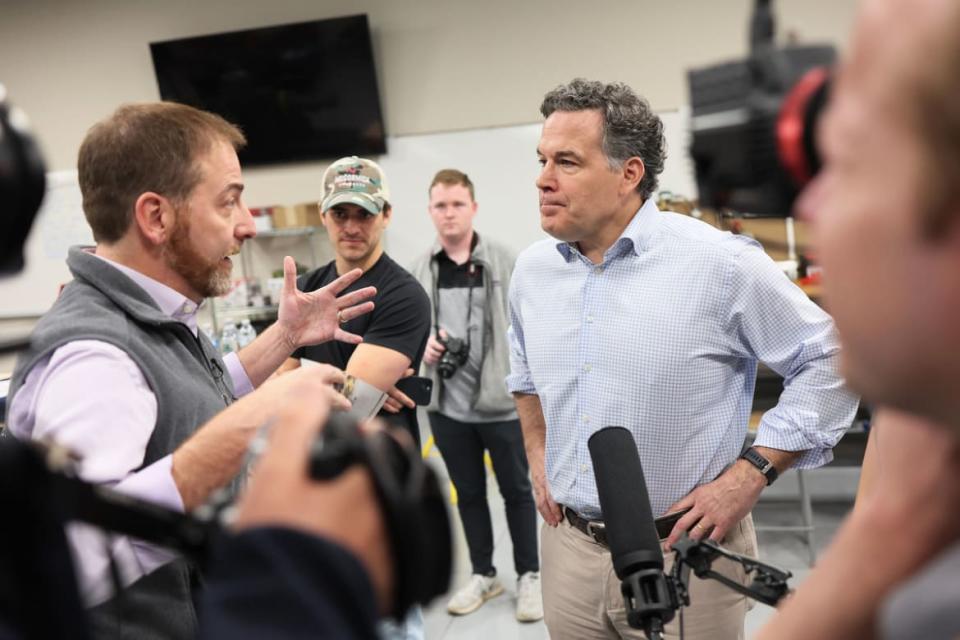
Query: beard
{"points": [[207, 277]]}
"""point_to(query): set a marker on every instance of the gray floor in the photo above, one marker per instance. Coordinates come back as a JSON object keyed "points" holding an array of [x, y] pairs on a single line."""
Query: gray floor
{"points": [[495, 619]]}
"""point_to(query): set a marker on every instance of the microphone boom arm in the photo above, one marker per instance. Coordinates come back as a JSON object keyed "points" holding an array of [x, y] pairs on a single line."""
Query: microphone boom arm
{"points": [[769, 584]]}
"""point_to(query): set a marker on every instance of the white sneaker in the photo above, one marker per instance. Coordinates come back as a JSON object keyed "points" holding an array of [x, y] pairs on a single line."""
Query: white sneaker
{"points": [[478, 590], [529, 597]]}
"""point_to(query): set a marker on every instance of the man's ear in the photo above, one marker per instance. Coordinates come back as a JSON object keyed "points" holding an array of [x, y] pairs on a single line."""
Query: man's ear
{"points": [[633, 172], [324, 217], [386, 213], [154, 217]]}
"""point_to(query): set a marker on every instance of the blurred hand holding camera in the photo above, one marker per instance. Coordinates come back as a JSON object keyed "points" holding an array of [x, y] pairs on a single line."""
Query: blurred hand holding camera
{"points": [[284, 494]]}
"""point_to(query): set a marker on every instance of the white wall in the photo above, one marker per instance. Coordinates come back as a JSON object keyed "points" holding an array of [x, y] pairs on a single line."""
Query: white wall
{"points": [[502, 164], [443, 64]]}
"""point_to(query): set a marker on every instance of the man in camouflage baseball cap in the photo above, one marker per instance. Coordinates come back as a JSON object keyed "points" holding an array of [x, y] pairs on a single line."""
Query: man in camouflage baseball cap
{"points": [[357, 181], [356, 211]]}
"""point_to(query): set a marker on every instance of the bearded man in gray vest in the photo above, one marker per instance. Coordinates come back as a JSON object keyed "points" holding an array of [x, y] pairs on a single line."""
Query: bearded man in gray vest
{"points": [[118, 371]]}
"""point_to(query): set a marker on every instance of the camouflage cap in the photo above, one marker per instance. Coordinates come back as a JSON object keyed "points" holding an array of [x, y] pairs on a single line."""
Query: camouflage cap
{"points": [[357, 181]]}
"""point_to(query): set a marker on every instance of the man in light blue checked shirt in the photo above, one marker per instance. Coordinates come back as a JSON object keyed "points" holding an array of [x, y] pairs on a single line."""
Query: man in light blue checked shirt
{"points": [[654, 322]]}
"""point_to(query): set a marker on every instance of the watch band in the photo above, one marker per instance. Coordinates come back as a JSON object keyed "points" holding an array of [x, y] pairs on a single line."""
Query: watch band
{"points": [[765, 467]]}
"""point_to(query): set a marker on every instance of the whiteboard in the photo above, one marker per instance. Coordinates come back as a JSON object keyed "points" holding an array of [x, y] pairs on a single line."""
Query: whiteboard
{"points": [[502, 164], [59, 225]]}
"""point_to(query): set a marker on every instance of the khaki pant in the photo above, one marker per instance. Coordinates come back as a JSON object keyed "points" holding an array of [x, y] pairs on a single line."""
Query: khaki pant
{"points": [[582, 600]]}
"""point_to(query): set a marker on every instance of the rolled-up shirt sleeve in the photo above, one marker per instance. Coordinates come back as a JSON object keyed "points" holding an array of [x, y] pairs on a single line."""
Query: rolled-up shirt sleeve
{"points": [[92, 398], [519, 379], [775, 322]]}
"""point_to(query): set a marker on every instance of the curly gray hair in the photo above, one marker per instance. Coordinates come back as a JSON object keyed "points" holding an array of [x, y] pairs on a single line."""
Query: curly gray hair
{"points": [[630, 127]]}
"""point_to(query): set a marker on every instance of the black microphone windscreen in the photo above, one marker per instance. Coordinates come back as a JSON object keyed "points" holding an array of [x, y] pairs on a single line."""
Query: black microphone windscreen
{"points": [[631, 531]]}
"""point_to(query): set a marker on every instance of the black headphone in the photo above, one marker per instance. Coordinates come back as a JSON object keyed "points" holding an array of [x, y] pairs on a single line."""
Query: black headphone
{"points": [[22, 184]]}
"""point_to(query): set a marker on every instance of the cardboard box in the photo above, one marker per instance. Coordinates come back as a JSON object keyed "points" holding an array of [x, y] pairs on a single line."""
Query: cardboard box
{"points": [[283, 217], [309, 211], [771, 233], [306, 214], [262, 218]]}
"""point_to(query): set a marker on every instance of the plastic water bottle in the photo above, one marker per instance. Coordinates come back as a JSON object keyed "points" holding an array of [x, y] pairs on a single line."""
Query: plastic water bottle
{"points": [[229, 341], [247, 333], [211, 336]]}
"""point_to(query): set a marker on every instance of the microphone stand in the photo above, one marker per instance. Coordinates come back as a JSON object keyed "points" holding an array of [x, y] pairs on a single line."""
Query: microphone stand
{"points": [[652, 597], [769, 584]]}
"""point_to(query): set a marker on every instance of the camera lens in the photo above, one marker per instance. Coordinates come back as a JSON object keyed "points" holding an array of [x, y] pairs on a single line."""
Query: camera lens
{"points": [[446, 367], [453, 357]]}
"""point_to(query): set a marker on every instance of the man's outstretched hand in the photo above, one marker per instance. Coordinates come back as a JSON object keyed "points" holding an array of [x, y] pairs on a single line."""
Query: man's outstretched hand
{"points": [[314, 317]]}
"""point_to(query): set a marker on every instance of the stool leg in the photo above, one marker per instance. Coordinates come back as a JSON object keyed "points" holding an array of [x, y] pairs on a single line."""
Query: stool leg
{"points": [[806, 509]]}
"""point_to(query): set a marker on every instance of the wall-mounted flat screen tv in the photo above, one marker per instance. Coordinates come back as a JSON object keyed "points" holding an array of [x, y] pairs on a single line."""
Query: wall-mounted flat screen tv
{"points": [[304, 91]]}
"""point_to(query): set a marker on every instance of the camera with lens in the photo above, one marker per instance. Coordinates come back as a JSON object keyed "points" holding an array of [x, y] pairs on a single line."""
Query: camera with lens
{"points": [[22, 184], [753, 122], [455, 355], [411, 501]]}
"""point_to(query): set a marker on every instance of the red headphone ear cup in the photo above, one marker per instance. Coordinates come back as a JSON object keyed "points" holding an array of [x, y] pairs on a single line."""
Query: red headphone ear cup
{"points": [[22, 185]]}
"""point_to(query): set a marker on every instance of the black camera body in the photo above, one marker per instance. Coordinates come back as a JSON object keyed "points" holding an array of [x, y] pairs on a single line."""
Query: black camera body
{"points": [[753, 123], [411, 501], [22, 184], [455, 356]]}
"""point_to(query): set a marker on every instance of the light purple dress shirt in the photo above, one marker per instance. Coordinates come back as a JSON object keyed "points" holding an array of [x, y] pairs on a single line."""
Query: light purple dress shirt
{"points": [[64, 398]]}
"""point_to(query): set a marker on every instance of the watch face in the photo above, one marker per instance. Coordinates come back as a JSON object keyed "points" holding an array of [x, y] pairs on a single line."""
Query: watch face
{"points": [[347, 388]]}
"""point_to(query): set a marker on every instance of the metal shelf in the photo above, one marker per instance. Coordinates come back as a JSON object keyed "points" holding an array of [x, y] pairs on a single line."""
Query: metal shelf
{"points": [[254, 313], [300, 236], [286, 232]]}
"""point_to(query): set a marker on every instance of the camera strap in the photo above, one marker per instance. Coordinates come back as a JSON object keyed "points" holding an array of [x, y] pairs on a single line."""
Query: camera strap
{"points": [[471, 273]]}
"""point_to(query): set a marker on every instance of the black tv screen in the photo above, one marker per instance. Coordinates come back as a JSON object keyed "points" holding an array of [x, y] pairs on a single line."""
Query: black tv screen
{"points": [[304, 91]]}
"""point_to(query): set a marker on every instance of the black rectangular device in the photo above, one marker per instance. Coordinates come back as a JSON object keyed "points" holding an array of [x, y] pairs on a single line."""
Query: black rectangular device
{"points": [[303, 91], [418, 388]]}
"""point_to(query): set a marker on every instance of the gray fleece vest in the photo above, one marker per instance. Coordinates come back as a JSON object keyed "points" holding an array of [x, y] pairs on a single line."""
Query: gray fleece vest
{"points": [[191, 385]]}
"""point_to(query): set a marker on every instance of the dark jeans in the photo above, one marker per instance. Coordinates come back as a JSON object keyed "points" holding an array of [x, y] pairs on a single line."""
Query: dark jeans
{"points": [[462, 445]]}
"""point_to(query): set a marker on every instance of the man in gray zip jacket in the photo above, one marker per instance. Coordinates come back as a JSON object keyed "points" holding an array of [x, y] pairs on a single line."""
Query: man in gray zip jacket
{"points": [[467, 279]]}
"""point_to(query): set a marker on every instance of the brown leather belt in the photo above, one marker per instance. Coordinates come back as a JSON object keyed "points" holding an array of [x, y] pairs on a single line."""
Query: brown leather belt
{"points": [[597, 530]]}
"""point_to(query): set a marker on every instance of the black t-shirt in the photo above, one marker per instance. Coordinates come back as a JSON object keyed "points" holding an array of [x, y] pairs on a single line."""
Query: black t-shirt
{"points": [[400, 321]]}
